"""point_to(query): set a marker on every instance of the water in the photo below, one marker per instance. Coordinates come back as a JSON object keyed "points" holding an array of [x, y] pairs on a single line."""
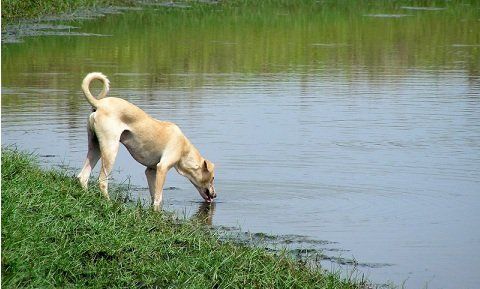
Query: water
{"points": [[350, 127]]}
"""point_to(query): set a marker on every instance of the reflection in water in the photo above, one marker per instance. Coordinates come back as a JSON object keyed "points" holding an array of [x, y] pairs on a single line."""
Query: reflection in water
{"points": [[326, 123], [205, 213]]}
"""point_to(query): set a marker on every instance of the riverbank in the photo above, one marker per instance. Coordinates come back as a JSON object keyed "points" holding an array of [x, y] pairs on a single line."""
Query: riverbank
{"points": [[13, 10], [56, 235]]}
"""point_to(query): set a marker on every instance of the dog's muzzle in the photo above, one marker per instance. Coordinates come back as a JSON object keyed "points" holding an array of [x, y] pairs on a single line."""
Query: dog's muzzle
{"points": [[209, 195]]}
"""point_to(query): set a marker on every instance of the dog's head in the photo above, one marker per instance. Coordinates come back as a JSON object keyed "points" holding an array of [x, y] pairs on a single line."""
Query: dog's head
{"points": [[204, 181]]}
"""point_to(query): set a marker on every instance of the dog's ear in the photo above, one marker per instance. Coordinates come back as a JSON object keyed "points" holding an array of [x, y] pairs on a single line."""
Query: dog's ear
{"points": [[208, 166]]}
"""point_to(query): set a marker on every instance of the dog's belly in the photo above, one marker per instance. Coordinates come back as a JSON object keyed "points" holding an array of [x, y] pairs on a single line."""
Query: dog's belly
{"points": [[143, 151]]}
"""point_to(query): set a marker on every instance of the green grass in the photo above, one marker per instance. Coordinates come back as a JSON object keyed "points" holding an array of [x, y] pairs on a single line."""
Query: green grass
{"points": [[13, 10], [18, 9], [54, 234]]}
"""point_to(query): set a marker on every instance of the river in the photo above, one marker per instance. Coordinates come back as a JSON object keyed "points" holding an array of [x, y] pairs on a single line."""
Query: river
{"points": [[350, 129]]}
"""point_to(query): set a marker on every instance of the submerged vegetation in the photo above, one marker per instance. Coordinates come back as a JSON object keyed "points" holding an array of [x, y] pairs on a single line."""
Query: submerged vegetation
{"points": [[56, 235]]}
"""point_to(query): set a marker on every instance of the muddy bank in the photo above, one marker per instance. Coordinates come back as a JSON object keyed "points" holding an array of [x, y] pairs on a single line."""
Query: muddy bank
{"points": [[303, 248]]}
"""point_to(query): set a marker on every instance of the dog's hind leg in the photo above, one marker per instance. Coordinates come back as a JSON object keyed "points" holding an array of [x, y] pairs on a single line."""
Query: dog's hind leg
{"points": [[151, 180], [108, 151], [93, 156]]}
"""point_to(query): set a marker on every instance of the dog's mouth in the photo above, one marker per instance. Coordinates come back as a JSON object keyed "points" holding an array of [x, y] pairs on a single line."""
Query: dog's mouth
{"points": [[207, 194]]}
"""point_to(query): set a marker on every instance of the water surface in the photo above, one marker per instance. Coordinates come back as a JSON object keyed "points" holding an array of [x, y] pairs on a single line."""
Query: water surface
{"points": [[354, 127]]}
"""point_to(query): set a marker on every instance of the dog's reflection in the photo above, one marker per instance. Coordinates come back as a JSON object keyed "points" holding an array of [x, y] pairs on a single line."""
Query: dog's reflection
{"points": [[205, 213]]}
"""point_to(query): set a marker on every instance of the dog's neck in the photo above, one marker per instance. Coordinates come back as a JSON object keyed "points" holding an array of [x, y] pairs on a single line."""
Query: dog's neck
{"points": [[190, 162]]}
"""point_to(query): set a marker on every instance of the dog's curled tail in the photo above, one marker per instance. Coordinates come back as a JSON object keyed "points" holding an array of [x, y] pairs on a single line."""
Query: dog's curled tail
{"points": [[86, 84]]}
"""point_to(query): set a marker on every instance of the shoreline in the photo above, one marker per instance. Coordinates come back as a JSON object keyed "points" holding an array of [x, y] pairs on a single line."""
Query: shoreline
{"points": [[44, 25], [56, 234], [21, 11], [40, 23]]}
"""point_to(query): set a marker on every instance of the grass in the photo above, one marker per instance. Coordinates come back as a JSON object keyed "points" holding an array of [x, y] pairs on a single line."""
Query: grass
{"points": [[19, 9], [54, 234], [13, 10]]}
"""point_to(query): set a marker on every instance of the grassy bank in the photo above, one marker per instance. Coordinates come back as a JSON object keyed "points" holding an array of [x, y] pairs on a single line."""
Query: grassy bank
{"points": [[18, 9], [56, 235]]}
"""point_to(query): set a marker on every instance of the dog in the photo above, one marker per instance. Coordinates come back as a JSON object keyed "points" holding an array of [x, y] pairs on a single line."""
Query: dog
{"points": [[158, 145]]}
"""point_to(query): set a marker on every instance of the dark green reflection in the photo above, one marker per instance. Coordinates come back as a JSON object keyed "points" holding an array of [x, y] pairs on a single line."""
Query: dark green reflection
{"points": [[274, 36]]}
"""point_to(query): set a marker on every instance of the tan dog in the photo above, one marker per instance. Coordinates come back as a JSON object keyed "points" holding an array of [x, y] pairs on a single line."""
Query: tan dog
{"points": [[158, 145]]}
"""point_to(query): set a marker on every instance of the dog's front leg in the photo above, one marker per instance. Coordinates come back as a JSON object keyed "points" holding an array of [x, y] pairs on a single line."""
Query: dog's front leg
{"points": [[169, 159], [160, 175]]}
